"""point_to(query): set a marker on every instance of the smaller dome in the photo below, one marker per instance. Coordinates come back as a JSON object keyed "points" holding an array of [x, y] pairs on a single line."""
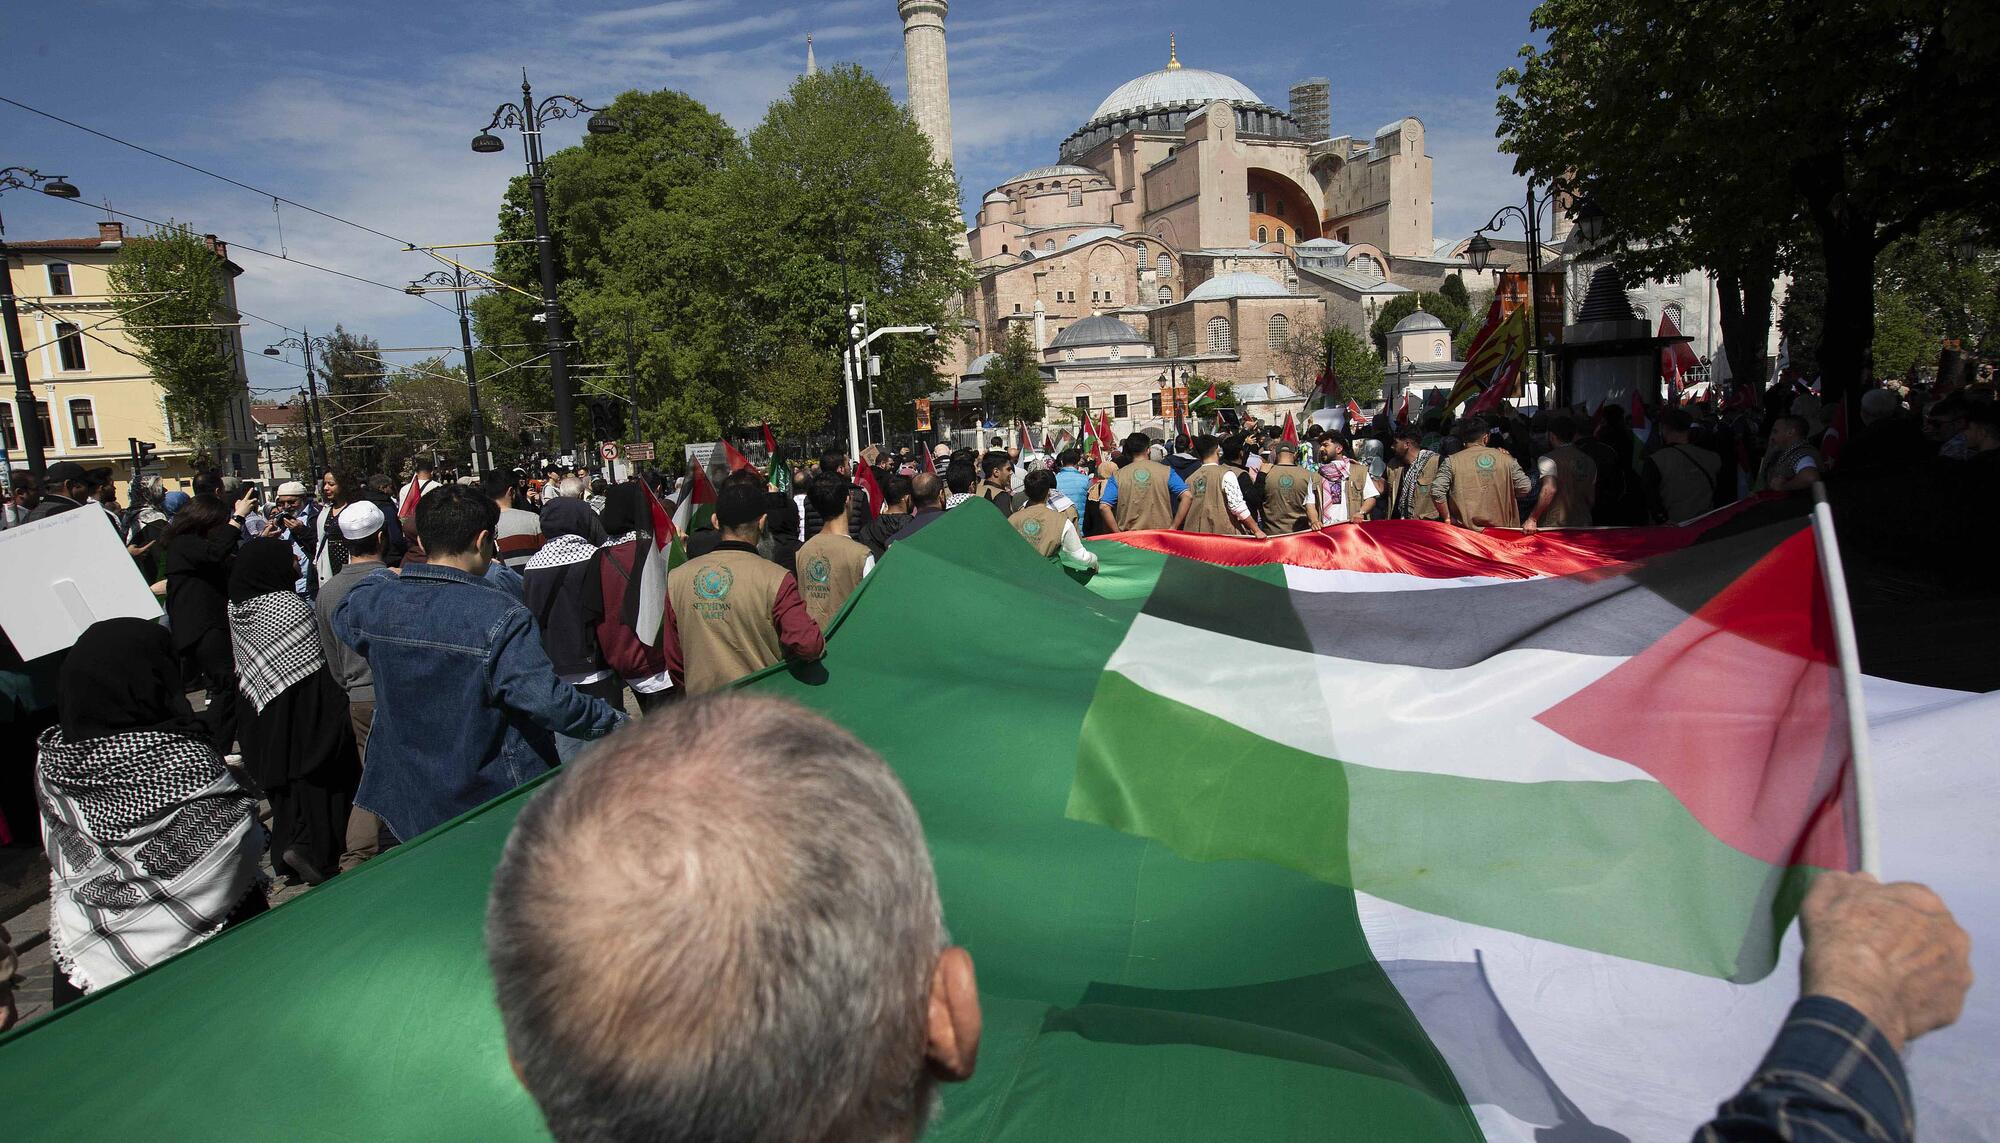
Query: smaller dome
{"points": [[979, 364], [1103, 329], [995, 196], [1092, 235], [1419, 322], [1059, 170], [1244, 285]]}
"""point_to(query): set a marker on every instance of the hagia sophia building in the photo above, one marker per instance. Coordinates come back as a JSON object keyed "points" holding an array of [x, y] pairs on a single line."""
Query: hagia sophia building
{"points": [[1188, 225]]}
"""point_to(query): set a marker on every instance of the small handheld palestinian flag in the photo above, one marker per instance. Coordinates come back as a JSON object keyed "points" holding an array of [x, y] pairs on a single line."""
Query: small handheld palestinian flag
{"points": [[1205, 402], [666, 552], [1291, 431], [864, 475], [1354, 418], [776, 474], [1403, 410], [697, 504], [1021, 430], [737, 461]]}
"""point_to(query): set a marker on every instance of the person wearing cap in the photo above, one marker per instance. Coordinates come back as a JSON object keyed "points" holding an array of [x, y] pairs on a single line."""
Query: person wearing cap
{"points": [[1289, 500], [67, 485], [1479, 486], [363, 526], [732, 612]]}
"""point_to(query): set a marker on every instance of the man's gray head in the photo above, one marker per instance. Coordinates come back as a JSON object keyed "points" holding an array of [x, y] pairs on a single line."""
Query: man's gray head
{"points": [[574, 487], [1878, 405], [720, 923]]}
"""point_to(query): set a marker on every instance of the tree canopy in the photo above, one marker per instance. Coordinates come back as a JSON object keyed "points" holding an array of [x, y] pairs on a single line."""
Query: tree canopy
{"points": [[1455, 313], [1014, 388], [166, 287]]}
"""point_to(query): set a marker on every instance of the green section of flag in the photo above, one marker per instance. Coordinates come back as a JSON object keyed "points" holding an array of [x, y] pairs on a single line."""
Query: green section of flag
{"points": [[1618, 867], [778, 476], [1129, 992]]}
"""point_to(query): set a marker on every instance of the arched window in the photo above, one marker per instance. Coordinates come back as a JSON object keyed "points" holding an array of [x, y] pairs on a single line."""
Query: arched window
{"points": [[1142, 255], [1173, 342], [1003, 248], [1218, 334], [1639, 312], [1366, 264], [1281, 234], [1166, 294], [1263, 234], [1673, 314], [1075, 193], [1166, 266], [1048, 244], [1278, 327], [1437, 350]]}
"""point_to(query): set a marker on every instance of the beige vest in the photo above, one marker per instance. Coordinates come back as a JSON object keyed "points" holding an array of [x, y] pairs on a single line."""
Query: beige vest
{"points": [[1209, 510], [1041, 526], [722, 609], [1285, 490], [830, 568], [1687, 480], [1422, 505], [1576, 488], [1482, 488], [1144, 500]]}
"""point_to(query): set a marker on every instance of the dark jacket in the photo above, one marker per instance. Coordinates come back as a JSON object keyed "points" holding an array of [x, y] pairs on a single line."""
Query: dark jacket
{"points": [[882, 530], [197, 570]]}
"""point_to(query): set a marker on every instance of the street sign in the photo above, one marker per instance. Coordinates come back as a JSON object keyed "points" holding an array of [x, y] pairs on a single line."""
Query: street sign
{"points": [[608, 450], [639, 451]]}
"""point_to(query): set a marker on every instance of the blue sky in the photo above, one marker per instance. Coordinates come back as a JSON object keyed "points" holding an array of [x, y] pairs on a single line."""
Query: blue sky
{"points": [[365, 108]]}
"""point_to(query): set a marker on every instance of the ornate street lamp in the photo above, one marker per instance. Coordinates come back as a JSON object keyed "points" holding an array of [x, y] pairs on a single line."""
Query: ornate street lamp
{"points": [[318, 432], [529, 118]]}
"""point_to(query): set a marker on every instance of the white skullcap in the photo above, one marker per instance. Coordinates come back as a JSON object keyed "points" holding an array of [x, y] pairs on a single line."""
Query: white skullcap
{"points": [[291, 488], [360, 519]]}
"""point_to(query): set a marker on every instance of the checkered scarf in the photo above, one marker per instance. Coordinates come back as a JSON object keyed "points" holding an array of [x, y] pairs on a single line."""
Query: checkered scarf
{"points": [[560, 552], [277, 644], [152, 843]]}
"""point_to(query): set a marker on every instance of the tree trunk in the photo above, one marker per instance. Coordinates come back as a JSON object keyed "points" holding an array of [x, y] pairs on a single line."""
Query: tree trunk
{"points": [[1745, 296], [1847, 334]]}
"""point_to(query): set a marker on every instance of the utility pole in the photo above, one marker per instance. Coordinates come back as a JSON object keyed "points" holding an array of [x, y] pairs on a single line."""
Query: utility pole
{"points": [[26, 416]]}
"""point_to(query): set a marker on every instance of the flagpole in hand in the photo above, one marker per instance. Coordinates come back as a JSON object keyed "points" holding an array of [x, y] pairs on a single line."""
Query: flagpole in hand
{"points": [[1847, 648]]}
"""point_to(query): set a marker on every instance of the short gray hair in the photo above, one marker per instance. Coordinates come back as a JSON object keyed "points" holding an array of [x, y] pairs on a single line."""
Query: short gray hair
{"points": [[573, 487], [719, 923]]}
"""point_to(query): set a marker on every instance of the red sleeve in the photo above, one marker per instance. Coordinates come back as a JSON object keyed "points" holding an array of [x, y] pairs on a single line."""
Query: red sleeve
{"points": [[798, 633]]}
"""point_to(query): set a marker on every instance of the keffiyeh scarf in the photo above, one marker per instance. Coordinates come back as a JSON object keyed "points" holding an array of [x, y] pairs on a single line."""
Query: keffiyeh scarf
{"points": [[276, 642], [1406, 491], [560, 552], [152, 843], [1333, 478]]}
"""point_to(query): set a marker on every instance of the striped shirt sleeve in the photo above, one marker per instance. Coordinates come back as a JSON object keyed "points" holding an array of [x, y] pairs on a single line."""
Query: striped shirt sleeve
{"points": [[1831, 1076]]}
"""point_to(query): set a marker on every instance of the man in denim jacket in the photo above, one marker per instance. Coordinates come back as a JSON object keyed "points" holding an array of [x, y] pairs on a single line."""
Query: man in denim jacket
{"points": [[467, 705]]}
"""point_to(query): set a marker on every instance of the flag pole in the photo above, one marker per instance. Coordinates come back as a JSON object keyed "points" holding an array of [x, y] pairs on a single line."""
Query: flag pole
{"points": [[1850, 677]]}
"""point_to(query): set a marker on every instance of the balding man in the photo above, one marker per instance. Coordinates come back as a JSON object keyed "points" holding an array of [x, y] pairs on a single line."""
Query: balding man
{"points": [[772, 964]]}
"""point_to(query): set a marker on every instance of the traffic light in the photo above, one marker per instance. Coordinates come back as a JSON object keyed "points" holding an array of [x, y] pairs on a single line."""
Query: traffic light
{"points": [[604, 418], [142, 454]]}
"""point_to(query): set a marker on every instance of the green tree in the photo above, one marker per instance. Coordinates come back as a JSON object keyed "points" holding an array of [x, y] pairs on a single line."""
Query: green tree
{"points": [[798, 390], [1475, 309], [170, 289], [353, 379], [1957, 297], [1803, 314], [838, 199], [1356, 368], [1014, 388], [1453, 289], [1903, 338], [1714, 133]]}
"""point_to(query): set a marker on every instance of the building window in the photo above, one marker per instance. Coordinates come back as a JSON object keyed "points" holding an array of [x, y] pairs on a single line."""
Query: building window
{"points": [[1114, 353], [1069, 355], [1166, 266], [1083, 402], [1118, 405], [1673, 314], [1166, 294], [1639, 312], [1218, 334], [1142, 255], [45, 423], [1279, 329], [1257, 201], [1278, 208], [82, 422], [1093, 297], [1017, 307], [69, 347], [1076, 194], [1437, 351], [1263, 234], [59, 283], [1003, 248], [1048, 244], [1281, 236], [1366, 264], [1341, 236], [1159, 405], [1173, 343], [7, 438]]}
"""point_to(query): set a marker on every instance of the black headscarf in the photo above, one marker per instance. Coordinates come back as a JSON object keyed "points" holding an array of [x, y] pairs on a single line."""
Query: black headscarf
{"points": [[263, 566], [626, 510], [122, 675], [568, 516]]}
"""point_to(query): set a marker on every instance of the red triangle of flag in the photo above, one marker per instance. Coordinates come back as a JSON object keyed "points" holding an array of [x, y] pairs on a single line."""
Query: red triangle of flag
{"points": [[865, 477], [737, 461]]}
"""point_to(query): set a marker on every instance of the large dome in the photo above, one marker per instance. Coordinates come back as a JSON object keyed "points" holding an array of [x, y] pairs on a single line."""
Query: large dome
{"points": [[1173, 86], [1099, 329]]}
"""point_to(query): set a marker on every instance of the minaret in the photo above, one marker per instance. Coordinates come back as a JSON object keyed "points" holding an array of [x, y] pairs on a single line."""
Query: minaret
{"points": [[923, 61], [811, 67]]}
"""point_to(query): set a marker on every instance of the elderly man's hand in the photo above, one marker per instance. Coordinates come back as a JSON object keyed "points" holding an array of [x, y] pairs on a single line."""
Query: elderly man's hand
{"points": [[1891, 951]]}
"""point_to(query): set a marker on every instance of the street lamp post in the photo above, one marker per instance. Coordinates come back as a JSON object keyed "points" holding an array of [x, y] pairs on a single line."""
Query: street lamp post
{"points": [[529, 118], [1589, 220], [859, 338], [30, 422], [454, 283], [320, 442]]}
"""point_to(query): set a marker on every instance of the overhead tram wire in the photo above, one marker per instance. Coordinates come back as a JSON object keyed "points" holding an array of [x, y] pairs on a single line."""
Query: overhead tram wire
{"points": [[203, 171], [236, 245]]}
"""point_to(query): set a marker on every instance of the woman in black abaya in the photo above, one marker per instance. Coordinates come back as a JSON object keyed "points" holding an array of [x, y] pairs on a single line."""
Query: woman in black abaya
{"points": [[297, 741]]}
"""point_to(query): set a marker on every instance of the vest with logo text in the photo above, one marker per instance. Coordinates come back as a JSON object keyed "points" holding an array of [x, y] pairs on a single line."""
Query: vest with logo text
{"points": [[1144, 500], [1041, 526], [722, 609], [830, 568]]}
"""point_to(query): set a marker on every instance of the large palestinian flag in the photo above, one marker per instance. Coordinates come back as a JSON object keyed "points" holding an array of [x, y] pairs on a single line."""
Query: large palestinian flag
{"points": [[1392, 833]]}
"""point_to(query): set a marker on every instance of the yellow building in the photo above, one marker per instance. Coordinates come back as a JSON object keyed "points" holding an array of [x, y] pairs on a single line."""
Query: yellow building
{"points": [[92, 391]]}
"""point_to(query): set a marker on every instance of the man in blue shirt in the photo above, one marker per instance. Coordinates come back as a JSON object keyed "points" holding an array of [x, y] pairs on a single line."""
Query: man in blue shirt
{"points": [[467, 704]]}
